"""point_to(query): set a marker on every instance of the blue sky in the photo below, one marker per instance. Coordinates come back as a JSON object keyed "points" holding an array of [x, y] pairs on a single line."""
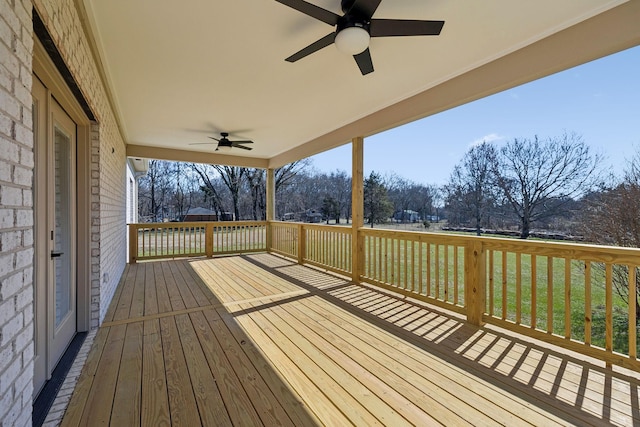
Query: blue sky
{"points": [[599, 100]]}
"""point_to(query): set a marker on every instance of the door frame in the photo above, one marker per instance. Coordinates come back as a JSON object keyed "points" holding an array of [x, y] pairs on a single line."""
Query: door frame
{"points": [[46, 71]]}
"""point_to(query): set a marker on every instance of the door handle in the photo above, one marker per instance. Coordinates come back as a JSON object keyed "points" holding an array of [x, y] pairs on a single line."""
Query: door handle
{"points": [[56, 254]]}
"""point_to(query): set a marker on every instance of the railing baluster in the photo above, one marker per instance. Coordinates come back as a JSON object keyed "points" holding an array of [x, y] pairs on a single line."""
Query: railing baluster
{"points": [[549, 295], [504, 285], [491, 282], [632, 312], [608, 338], [534, 292], [567, 298], [587, 303], [518, 288]]}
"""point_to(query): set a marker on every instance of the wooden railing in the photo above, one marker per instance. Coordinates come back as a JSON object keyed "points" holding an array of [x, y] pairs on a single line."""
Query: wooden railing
{"points": [[327, 246], [428, 266], [186, 239], [561, 293]]}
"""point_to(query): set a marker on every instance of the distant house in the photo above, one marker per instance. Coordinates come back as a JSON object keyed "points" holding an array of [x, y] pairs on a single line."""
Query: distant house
{"points": [[200, 214], [312, 215], [406, 216]]}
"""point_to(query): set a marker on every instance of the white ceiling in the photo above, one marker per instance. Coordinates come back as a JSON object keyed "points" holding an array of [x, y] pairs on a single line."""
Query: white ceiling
{"points": [[179, 72]]}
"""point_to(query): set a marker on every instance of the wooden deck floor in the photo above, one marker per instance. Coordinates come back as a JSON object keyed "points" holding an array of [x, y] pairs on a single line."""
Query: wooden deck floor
{"points": [[258, 340]]}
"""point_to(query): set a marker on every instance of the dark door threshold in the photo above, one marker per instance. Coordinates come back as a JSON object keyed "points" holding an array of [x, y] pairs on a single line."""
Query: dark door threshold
{"points": [[48, 394]]}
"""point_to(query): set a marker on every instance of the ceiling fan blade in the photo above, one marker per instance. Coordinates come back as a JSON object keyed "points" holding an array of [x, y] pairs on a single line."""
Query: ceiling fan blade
{"points": [[242, 142], [364, 8], [241, 146], [364, 62], [404, 27], [312, 10], [215, 139], [202, 143], [313, 47]]}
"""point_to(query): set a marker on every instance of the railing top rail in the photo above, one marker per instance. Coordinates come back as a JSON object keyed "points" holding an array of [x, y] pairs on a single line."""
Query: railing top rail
{"points": [[539, 247], [179, 224], [335, 228]]}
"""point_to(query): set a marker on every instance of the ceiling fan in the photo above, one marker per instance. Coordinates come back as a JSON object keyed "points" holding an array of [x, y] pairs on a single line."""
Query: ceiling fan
{"points": [[224, 144], [355, 28]]}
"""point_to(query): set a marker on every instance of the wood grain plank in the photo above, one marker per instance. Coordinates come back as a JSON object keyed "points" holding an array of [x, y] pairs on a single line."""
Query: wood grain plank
{"points": [[118, 293], [205, 386], [126, 295], [101, 395], [182, 402], [80, 396], [154, 405], [185, 293], [138, 294], [162, 293], [150, 291], [126, 402], [347, 395], [289, 363], [175, 298], [289, 398]]}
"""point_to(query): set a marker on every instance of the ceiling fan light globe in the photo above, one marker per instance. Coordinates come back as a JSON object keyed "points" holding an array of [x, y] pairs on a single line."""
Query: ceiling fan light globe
{"points": [[352, 40], [224, 147]]}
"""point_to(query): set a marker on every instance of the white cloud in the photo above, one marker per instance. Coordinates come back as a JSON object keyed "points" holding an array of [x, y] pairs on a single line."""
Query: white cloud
{"points": [[487, 138]]}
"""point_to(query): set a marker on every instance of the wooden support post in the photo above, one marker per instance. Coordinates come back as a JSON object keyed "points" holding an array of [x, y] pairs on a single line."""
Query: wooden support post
{"points": [[271, 206], [357, 208], [302, 243], [475, 271], [208, 239], [133, 243]]}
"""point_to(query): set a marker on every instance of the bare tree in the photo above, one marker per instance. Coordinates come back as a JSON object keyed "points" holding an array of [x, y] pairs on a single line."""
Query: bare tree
{"points": [[471, 187], [232, 177], [210, 188], [612, 217], [537, 176], [155, 188]]}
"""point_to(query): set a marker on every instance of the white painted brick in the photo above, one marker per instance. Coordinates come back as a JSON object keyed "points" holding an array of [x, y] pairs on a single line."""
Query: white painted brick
{"points": [[26, 158], [23, 299], [24, 217], [6, 266], [23, 339], [5, 83], [25, 377], [5, 127], [24, 258], [23, 134], [6, 218], [27, 237], [27, 198], [10, 196], [10, 241], [9, 150], [10, 374], [10, 62], [6, 34], [10, 330], [9, 286], [5, 404], [6, 172], [6, 355], [22, 176], [10, 106]]}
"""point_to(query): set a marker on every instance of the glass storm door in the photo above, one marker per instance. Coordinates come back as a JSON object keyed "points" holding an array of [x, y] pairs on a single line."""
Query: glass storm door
{"points": [[62, 235], [55, 223]]}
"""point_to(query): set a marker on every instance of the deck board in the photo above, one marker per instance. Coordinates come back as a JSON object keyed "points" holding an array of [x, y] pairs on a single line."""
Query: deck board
{"points": [[259, 340]]}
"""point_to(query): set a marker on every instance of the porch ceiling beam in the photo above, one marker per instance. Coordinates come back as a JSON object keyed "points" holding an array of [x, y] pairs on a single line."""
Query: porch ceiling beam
{"points": [[146, 152], [604, 34]]}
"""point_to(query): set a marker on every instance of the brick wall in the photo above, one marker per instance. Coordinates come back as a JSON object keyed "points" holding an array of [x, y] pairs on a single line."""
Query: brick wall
{"points": [[16, 214], [108, 155]]}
